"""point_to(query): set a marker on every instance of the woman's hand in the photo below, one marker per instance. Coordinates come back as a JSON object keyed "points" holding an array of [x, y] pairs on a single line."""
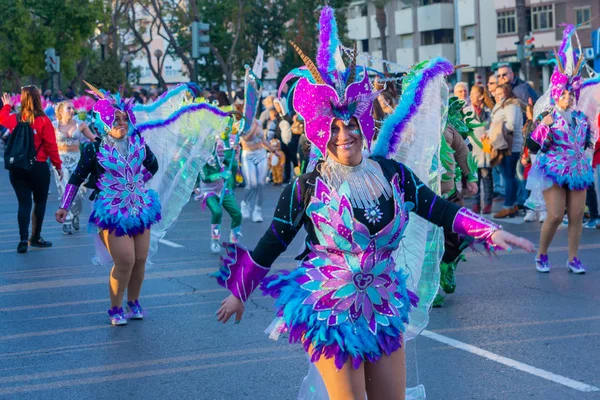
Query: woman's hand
{"points": [[472, 187], [231, 305], [507, 241], [61, 215], [548, 120], [6, 99]]}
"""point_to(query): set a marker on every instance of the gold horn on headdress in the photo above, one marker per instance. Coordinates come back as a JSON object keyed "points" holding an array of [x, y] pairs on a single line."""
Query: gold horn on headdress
{"points": [[579, 63], [352, 67], [312, 68], [558, 63], [94, 89]]}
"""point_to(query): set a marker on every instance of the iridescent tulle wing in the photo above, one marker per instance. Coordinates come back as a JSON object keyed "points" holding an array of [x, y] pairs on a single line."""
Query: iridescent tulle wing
{"points": [[182, 144], [422, 247], [164, 106], [589, 103]]}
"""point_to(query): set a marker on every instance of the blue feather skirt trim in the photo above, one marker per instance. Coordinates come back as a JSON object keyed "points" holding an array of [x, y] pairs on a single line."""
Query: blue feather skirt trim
{"points": [[350, 340], [131, 224]]}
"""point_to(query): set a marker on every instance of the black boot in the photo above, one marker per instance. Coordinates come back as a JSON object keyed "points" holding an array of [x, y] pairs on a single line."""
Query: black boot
{"points": [[22, 247], [39, 242]]}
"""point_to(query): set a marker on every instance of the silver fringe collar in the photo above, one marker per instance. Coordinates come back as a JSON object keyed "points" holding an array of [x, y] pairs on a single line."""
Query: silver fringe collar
{"points": [[366, 181]]}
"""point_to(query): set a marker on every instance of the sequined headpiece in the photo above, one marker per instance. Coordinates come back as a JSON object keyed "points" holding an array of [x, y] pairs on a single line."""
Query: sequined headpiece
{"points": [[326, 92], [108, 104], [567, 73]]}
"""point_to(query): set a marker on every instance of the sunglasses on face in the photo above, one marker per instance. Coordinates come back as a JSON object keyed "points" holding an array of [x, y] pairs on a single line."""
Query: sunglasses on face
{"points": [[492, 83], [502, 75]]}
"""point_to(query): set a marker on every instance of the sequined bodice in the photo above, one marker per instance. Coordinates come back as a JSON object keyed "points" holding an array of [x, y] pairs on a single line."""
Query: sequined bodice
{"points": [[64, 139], [351, 272], [122, 185], [565, 154]]}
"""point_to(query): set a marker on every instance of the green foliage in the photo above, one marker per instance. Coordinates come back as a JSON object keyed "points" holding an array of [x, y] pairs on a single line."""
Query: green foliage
{"points": [[107, 74], [28, 27], [304, 30]]}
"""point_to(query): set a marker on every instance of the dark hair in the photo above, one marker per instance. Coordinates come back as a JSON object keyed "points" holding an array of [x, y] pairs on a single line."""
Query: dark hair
{"points": [[31, 104]]}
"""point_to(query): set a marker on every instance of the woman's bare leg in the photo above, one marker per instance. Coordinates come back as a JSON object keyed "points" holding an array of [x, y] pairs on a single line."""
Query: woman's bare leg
{"points": [[122, 250], [386, 379], [142, 245], [575, 209], [345, 384], [556, 201]]}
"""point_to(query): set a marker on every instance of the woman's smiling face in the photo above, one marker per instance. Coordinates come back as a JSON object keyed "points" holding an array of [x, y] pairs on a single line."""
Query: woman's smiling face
{"points": [[346, 143]]}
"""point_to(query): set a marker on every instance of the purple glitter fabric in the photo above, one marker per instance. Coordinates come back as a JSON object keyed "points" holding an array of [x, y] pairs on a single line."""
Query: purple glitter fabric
{"points": [[346, 301], [124, 205]]}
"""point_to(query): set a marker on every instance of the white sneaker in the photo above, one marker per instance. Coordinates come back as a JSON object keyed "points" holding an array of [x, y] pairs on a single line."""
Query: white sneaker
{"points": [[257, 215], [245, 209], [215, 247], [530, 216], [542, 216]]}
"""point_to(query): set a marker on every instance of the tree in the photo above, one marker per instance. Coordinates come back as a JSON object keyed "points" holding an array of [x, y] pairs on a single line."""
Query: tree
{"points": [[28, 27], [107, 74], [381, 19], [521, 31], [303, 29], [144, 29]]}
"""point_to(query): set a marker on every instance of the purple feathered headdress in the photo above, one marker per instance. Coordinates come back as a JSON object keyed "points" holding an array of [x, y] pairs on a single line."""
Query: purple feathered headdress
{"points": [[567, 73], [108, 104], [325, 93]]}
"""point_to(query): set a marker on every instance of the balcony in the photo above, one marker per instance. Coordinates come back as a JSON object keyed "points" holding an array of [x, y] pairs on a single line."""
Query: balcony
{"points": [[445, 50], [468, 53], [435, 16], [403, 21], [405, 57], [357, 28]]}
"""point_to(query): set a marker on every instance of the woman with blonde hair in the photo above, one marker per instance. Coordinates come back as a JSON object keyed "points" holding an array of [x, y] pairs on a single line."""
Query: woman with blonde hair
{"points": [[34, 179], [70, 133]]}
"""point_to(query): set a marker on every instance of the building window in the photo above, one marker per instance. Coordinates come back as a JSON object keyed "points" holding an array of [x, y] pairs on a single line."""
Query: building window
{"points": [[378, 44], [439, 36], [542, 17], [507, 22], [582, 17], [364, 10], [468, 32], [406, 41], [428, 2], [365, 45]]}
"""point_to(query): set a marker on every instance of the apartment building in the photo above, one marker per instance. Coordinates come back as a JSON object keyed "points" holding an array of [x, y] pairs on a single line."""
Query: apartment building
{"points": [[424, 29], [544, 19]]}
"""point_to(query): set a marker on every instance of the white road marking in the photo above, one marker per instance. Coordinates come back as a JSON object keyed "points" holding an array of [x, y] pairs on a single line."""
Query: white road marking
{"points": [[582, 387], [169, 243]]}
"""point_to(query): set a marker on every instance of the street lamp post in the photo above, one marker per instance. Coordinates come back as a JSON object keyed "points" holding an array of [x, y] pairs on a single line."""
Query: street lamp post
{"points": [[158, 54], [102, 40], [127, 59]]}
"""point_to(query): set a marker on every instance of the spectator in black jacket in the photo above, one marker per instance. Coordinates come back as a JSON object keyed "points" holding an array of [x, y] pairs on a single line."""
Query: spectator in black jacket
{"points": [[520, 88]]}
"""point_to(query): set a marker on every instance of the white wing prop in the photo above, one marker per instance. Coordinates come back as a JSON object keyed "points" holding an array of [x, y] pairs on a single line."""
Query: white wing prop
{"points": [[165, 106], [412, 136], [182, 144]]}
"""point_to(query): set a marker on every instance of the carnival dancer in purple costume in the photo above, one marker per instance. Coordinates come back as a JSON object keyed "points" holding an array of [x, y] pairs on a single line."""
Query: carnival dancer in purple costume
{"points": [[563, 167], [118, 166], [347, 302]]}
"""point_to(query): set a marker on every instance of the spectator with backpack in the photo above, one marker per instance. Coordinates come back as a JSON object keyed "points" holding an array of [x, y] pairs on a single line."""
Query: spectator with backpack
{"points": [[31, 142]]}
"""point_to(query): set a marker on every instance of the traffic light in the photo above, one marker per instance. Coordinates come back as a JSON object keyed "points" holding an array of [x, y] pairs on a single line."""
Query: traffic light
{"points": [[52, 61], [529, 46], [200, 39]]}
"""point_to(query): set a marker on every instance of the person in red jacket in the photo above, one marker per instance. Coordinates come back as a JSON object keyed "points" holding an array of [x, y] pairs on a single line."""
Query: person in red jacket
{"points": [[35, 182]]}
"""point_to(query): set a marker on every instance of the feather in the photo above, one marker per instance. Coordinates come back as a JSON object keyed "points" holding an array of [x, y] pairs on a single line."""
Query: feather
{"points": [[328, 43], [391, 132], [309, 64]]}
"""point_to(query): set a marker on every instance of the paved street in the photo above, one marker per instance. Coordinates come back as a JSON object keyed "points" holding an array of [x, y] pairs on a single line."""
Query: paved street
{"points": [[56, 343]]}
